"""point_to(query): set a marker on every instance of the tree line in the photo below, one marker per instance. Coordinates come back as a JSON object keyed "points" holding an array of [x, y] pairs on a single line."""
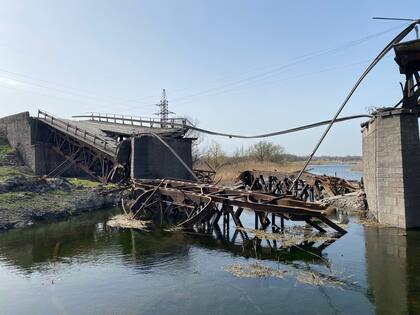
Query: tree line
{"points": [[262, 151]]}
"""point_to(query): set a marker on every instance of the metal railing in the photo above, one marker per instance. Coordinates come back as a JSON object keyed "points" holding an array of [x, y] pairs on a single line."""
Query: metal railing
{"points": [[170, 123], [99, 142]]}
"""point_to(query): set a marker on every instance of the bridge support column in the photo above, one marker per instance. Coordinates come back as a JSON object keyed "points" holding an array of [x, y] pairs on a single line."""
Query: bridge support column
{"points": [[391, 167]]}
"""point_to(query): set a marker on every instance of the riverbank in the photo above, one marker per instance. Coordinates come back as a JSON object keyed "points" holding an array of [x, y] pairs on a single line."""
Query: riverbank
{"points": [[25, 198], [228, 173]]}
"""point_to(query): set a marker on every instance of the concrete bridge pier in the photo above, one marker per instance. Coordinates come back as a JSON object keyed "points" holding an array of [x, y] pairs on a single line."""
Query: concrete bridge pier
{"points": [[391, 166]]}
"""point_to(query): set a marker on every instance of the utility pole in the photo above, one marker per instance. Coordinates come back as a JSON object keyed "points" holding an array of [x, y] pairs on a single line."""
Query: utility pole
{"points": [[163, 110]]}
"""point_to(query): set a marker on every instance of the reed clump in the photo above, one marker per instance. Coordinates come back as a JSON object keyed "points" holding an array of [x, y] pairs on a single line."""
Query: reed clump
{"points": [[126, 222]]}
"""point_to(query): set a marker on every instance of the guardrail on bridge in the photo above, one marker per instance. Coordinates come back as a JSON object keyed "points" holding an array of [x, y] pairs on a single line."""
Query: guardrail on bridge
{"points": [[107, 145], [170, 123]]}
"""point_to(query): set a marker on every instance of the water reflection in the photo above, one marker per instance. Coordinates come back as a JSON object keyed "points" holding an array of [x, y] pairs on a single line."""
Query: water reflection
{"points": [[393, 265], [159, 259], [89, 239]]}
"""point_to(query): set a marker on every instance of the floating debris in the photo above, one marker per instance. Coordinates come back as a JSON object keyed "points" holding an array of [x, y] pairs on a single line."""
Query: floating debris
{"points": [[308, 277], [174, 228], [126, 222], [372, 223], [256, 270], [291, 236], [318, 279]]}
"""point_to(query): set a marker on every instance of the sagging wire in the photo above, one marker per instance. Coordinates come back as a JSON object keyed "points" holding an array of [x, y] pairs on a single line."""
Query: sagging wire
{"points": [[387, 48]]}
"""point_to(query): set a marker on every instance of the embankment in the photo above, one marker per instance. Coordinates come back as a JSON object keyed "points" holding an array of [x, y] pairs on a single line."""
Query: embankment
{"points": [[25, 198]]}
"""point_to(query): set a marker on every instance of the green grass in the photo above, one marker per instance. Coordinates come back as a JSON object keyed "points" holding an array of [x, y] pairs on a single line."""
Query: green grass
{"points": [[3, 140], [9, 171], [6, 150], [23, 200], [86, 183]]}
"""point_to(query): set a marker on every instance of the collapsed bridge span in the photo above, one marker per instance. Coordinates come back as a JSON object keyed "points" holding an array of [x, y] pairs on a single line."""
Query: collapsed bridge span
{"points": [[105, 150], [205, 204]]}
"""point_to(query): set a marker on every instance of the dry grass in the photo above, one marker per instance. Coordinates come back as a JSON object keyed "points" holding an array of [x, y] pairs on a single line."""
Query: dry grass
{"points": [[229, 173], [126, 222], [255, 270]]}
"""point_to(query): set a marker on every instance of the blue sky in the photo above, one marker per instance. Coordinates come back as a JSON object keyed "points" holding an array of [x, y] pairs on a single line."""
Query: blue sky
{"points": [[235, 66]]}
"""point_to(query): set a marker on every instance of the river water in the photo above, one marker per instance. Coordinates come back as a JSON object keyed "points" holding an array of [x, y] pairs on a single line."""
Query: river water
{"points": [[80, 266]]}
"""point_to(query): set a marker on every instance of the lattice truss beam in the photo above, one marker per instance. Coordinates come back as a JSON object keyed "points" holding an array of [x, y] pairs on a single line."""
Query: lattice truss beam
{"points": [[93, 162]]}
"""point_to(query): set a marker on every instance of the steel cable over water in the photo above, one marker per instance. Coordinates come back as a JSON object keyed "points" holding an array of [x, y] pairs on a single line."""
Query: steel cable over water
{"points": [[387, 48], [223, 134], [330, 123]]}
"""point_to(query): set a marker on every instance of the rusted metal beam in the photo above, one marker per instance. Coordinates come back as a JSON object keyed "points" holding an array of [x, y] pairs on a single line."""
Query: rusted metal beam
{"points": [[205, 197]]}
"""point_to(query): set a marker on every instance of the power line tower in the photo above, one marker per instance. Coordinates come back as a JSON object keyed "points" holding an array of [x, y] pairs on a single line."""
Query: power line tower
{"points": [[164, 111]]}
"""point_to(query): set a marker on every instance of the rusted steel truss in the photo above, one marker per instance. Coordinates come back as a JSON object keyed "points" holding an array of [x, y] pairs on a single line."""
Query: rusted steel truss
{"points": [[92, 161], [205, 176], [204, 204], [310, 187]]}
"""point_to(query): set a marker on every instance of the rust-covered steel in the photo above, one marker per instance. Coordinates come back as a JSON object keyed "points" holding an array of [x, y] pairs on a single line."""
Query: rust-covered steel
{"points": [[95, 155], [311, 187], [201, 203], [407, 56]]}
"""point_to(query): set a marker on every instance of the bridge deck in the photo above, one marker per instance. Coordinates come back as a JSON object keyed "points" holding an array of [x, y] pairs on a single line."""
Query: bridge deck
{"points": [[93, 137], [101, 134]]}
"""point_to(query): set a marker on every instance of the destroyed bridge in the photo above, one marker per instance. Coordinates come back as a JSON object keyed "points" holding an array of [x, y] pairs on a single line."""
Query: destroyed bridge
{"points": [[105, 147], [154, 156]]}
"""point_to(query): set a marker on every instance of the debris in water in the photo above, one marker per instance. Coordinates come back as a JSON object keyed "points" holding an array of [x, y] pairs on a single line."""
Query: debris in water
{"points": [[174, 228], [317, 279], [254, 271], [372, 223], [291, 236], [125, 221], [309, 277]]}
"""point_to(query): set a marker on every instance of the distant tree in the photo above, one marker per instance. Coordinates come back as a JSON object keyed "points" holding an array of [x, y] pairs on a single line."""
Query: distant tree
{"points": [[239, 155], [266, 151], [215, 155], [199, 137]]}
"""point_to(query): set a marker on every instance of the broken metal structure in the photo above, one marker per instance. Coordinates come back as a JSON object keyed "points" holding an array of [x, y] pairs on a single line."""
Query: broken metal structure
{"points": [[407, 56], [310, 187], [204, 204], [103, 147]]}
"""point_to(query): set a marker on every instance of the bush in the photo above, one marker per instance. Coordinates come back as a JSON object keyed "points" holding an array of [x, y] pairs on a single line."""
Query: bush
{"points": [[266, 151]]}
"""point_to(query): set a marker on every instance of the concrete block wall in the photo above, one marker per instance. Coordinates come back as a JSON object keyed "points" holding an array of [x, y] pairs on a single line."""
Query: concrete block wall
{"points": [[29, 138], [151, 159], [19, 132], [391, 167]]}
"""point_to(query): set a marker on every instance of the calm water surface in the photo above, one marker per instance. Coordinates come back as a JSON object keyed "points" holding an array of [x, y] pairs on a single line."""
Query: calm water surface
{"points": [[339, 170], [80, 266]]}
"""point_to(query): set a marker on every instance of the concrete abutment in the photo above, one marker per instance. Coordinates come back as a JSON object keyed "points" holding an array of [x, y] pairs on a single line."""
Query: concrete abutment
{"points": [[391, 167]]}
